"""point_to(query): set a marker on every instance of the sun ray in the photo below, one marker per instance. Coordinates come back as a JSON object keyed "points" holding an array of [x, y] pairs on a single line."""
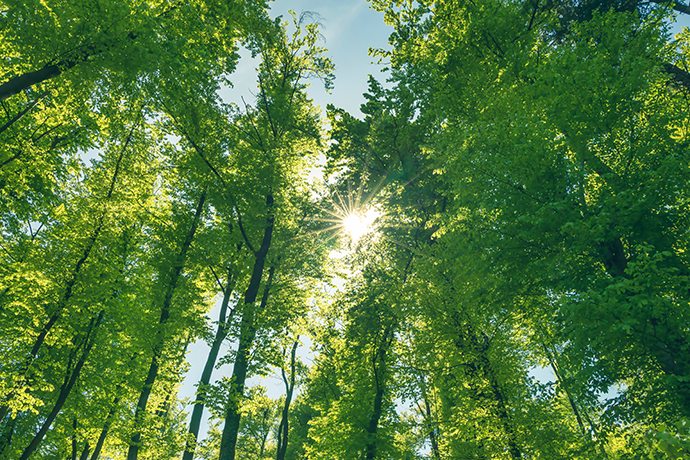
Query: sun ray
{"points": [[351, 214]]}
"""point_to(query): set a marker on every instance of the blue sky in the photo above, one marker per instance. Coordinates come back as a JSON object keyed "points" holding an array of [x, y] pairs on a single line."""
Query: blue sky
{"points": [[350, 27]]}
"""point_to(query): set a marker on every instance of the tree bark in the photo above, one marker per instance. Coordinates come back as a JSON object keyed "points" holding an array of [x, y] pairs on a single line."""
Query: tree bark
{"points": [[7, 433], [478, 348], [85, 452], [380, 377], [66, 388], [74, 438], [26, 366], [51, 70], [289, 389], [675, 5], [502, 411], [680, 76], [106, 428], [557, 373], [27, 80], [239, 376], [428, 416], [221, 334], [135, 440], [432, 431], [228, 442], [21, 114]]}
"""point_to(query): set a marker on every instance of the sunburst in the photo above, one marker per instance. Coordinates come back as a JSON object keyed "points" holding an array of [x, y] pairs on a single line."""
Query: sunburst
{"points": [[358, 224], [352, 216]]}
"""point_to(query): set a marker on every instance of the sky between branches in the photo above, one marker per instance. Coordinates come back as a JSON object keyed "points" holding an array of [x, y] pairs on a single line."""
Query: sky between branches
{"points": [[350, 28]]}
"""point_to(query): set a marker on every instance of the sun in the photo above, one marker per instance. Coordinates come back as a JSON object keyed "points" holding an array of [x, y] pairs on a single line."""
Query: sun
{"points": [[357, 224], [350, 215]]}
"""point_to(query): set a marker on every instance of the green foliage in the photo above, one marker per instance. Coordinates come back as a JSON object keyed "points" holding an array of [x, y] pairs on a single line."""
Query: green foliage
{"points": [[530, 164], [674, 442]]}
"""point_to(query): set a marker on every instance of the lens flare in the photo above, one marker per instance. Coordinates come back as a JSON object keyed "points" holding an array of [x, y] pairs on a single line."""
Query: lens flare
{"points": [[358, 224]]}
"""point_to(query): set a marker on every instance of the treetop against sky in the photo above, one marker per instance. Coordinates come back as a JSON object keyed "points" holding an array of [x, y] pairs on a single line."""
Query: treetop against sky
{"points": [[349, 29], [511, 195]]}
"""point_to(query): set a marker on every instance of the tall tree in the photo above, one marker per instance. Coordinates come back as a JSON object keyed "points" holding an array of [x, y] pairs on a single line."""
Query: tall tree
{"points": [[552, 133], [276, 134]]}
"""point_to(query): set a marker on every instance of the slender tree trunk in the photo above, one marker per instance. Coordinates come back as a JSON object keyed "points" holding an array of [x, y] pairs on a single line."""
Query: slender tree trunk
{"points": [[681, 8], [7, 433], [164, 408], [432, 432], [70, 380], [135, 440], [557, 373], [380, 376], [579, 415], [428, 416], [74, 438], [239, 376], [21, 114], [85, 452], [503, 414], [197, 412], [289, 389], [21, 82], [26, 366], [479, 349], [228, 441], [498, 396], [106, 428]]}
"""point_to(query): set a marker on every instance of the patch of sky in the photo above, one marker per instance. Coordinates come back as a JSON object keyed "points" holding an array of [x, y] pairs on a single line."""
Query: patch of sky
{"points": [[543, 375]]}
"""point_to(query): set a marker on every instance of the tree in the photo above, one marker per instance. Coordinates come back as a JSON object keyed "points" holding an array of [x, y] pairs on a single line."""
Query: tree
{"points": [[549, 144], [282, 123], [169, 281]]}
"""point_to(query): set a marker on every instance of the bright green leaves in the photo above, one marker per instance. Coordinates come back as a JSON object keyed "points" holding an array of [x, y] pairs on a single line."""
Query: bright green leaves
{"points": [[673, 442]]}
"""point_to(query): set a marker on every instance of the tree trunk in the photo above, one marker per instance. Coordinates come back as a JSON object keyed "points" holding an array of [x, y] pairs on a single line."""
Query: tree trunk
{"points": [[675, 5], [85, 452], [21, 82], [27, 80], [106, 428], [135, 440], [21, 114], [74, 438], [380, 377], [239, 375], [289, 389], [197, 412], [7, 433], [429, 422], [228, 441], [557, 373], [503, 414], [26, 366], [479, 348], [70, 380], [247, 333]]}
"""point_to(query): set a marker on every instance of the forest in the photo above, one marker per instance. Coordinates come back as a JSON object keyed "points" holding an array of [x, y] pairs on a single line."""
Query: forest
{"points": [[526, 168]]}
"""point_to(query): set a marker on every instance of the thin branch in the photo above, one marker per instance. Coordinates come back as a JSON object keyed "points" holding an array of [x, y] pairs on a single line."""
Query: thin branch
{"points": [[21, 114]]}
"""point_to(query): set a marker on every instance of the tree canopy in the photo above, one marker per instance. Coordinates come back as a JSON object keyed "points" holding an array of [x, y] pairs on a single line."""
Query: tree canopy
{"points": [[520, 289]]}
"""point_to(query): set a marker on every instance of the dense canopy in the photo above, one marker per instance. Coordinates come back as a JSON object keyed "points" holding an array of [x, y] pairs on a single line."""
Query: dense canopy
{"points": [[492, 262]]}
